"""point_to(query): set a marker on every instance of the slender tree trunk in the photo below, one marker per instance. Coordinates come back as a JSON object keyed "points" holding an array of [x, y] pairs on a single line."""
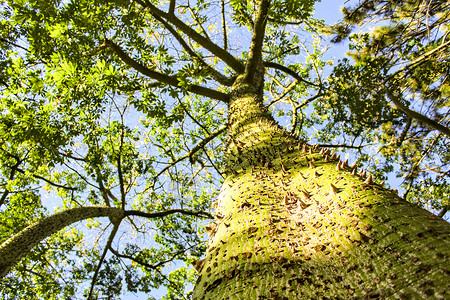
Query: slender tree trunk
{"points": [[294, 222], [13, 249]]}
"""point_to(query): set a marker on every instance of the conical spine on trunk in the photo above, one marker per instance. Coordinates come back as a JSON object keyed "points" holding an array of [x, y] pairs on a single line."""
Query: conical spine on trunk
{"points": [[294, 226]]}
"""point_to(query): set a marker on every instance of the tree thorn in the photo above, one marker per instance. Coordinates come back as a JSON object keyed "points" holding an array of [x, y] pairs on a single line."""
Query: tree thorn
{"points": [[369, 179], [333, 190]]}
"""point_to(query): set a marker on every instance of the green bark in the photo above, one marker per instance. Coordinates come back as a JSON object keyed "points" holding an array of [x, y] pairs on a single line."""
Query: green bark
{"points": [[294, 222], [13, 249]]}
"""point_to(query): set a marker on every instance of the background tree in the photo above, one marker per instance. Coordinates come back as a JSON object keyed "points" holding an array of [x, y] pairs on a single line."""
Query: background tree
{"points": [[400, 50], [124, 105]]}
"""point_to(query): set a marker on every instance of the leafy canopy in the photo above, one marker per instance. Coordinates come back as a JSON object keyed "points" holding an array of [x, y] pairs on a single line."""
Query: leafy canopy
{"points": [[124, 104]]}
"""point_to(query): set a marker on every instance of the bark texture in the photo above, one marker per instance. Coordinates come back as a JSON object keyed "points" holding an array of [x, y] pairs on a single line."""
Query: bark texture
{"points": [[294, 222], [13, 249]]}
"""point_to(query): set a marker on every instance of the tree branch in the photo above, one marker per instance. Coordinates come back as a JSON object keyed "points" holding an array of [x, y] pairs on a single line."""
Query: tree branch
{"points": [[102, 258], [341, 146], [222, 79], [153, 267], [194, 150], [415, 115], [170, 80], [202, 214], [11, 177], [286, 70], [119, 171], [443, 212], [142, 263], [230, 60], [172, 7], [13, 249], [48, 181], [224, 27], [418, 60], [255, 53], [192, 117], [104, 191]]}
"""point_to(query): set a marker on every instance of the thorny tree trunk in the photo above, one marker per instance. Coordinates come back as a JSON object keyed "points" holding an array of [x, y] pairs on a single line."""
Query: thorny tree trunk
{"points": [[293, 221]]}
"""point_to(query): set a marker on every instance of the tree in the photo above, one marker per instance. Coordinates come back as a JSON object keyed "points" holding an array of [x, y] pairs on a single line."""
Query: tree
{"points": [[290, 218]]}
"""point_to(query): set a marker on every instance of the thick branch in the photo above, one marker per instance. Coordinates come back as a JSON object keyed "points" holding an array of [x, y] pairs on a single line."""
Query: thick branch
{"points": [[172, 7], [3, 197], [230, 60], [170, 80], [12, 250], [255, 54], [415, 115]]}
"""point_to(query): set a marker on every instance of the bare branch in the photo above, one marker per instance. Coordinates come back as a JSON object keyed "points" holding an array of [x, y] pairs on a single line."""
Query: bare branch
{"points": [[192, 117], [106, 193], [341, 146], [153, 267], [172, 7], [142, 263], [119, 170]]}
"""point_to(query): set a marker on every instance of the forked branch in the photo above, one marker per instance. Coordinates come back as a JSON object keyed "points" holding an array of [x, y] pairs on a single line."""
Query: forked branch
{"points": [[206, 43]]}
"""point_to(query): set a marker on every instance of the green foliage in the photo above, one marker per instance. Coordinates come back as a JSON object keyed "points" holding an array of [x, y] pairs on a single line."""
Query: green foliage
{"points": [[280, 11]]}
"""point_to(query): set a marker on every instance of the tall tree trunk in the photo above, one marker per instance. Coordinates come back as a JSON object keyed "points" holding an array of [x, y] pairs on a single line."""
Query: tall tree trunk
{"points": [[13, 249], [293, 221]]}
